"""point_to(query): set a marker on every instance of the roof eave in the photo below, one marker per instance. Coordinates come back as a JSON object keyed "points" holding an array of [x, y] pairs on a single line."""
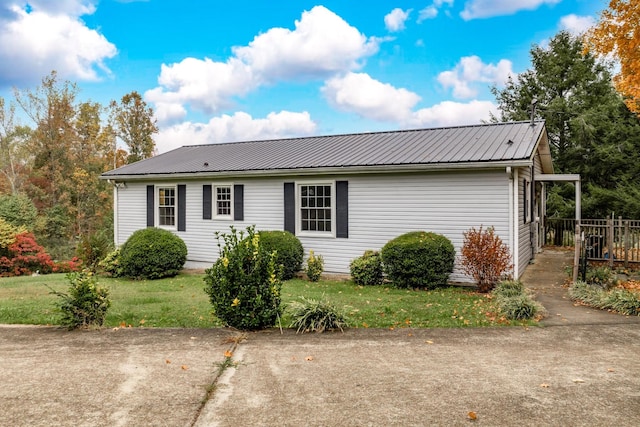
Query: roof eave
{"points": [[349, 170]]}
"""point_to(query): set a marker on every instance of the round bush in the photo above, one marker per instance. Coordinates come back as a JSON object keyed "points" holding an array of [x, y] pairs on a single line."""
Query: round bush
{"points": [[152, 253], [289, 251], [367, 269], [418, 259]]}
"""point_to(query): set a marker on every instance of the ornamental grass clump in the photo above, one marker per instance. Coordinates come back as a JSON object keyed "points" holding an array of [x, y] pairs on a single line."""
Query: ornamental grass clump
{"points": [[310, 315], [244, 284], [515, 302]]}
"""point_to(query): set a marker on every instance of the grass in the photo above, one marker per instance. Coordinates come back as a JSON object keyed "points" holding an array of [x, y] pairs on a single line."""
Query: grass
{"points": [[182, 302]]}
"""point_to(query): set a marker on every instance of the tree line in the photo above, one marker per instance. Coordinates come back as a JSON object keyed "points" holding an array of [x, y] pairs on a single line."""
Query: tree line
{"points": [[50, 166]]}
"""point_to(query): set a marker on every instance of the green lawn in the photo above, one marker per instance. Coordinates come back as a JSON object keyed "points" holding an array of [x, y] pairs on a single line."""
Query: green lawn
{"points": [[182, 302]]}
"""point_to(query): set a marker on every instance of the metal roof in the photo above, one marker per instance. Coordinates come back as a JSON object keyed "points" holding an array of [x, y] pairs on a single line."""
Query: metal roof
{"points": [[447, 146]]}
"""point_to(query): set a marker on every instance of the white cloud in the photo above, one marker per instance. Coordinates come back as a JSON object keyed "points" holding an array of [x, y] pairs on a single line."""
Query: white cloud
{"points": [[475, 9], [449, 113], [394, 20], [321, 45], [575, 24], [238, 127], [432, 10], [369, 98], [472, 70], [44, 36]]}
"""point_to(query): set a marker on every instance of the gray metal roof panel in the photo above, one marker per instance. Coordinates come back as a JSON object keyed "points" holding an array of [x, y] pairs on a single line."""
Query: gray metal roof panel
{"points": [[474, 143]]}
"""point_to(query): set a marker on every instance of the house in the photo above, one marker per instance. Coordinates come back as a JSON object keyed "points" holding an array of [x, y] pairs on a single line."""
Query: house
{"points": [[344, 194]]}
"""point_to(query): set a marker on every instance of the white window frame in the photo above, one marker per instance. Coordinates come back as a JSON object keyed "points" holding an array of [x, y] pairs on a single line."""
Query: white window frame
{"points": [[310, 233], [214, 204], [158, 206]]}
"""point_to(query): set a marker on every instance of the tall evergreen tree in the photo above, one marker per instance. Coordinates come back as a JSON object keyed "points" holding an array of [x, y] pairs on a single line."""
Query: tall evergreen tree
{"points": [[591, 131]]}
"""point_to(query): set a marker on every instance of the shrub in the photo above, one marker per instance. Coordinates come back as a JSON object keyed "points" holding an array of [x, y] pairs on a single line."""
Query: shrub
{"points": [[93, 249], [8, 233], [602, 276], [25, 256], [86, 304], [152, 253], [514, 302], [110, 264], [311, 315], [485, 257], [289, 251], [367, 269], [315, 266], [244, 283], [418, 260]]}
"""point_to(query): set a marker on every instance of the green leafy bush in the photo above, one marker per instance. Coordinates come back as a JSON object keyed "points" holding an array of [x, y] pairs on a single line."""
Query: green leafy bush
{"points": [[152, 253], [289, 251], [86, 304], [367, 269], [600, 275], [310, 315], [315, 266], [18, 210], [418, 259], [93, 248], [244, 283], [110, 264], [515, 302]]}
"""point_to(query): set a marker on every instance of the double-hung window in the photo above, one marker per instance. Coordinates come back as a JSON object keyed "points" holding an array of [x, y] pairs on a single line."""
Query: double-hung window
{"points": [[223, 207], [166, 206], [316, 208]]}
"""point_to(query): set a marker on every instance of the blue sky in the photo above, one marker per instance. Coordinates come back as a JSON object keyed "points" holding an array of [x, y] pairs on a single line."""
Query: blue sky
{"points": [[243, 70]]}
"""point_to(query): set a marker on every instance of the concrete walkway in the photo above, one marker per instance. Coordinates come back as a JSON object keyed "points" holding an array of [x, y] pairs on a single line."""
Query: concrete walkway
{"points": [[581, 368], [548, 276]]}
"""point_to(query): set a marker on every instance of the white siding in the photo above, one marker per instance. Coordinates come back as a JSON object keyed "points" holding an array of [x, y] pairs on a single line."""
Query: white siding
{"points": [[381, 207], [525, 254]]}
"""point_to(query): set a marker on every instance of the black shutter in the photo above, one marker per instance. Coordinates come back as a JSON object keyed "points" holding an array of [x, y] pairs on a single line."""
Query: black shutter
{"points": [[206, 202], [290, 207], [342, 209], [150, 205], [238, 202], [182, 207]]}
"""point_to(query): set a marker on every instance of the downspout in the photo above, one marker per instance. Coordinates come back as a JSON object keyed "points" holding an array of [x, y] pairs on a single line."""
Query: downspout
{"points": [[516, 228], [510, 211], [115, 212]]}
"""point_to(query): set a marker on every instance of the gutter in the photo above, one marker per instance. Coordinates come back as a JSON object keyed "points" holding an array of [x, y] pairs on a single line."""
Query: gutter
{"points": [[344, 170]]}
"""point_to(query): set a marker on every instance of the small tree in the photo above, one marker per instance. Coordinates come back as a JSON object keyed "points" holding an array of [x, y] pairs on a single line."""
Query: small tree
{"points": [[244, 283], [485, 257]]}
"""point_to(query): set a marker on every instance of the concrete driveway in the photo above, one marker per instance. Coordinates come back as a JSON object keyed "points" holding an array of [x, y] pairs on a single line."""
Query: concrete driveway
{"points": [[557, 376]]}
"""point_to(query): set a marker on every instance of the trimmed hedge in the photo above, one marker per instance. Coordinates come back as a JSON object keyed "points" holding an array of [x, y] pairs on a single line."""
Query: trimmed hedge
{"points": [[289, 251], [418, 259], [152, 253]]}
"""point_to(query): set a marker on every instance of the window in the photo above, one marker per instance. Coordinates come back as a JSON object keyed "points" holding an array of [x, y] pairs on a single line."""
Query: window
{"points": [[316, 208], [166, 206], [223, 201]]}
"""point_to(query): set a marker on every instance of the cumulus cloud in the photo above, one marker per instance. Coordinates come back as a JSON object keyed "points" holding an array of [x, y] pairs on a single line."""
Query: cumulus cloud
{"points": [[237, 127], [449, 113], [432, 10], [369, 98], [321, 45], [472, 70], [40, 36], [475, 9], [575, 24], [394, 20]]}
